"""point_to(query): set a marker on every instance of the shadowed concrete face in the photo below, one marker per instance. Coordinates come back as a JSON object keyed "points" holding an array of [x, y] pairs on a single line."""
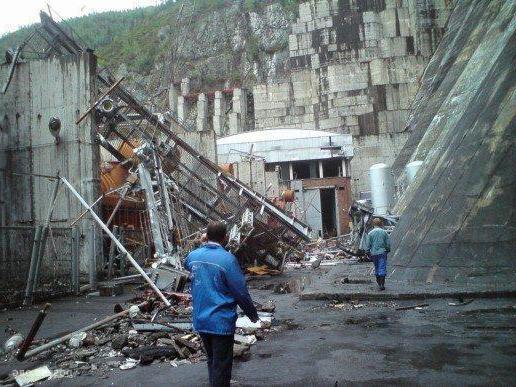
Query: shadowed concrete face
{"points": [[458, 214]]}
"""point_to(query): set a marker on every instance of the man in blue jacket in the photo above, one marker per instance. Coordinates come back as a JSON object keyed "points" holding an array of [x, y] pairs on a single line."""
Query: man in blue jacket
{"points": [[218, 286], [378, 245]]}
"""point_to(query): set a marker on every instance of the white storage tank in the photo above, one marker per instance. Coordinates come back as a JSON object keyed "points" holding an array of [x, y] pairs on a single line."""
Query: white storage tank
{"points": [[411, 170], [382, 187]]}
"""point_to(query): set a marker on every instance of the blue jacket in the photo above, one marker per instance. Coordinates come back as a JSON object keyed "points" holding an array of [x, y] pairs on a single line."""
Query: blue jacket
{"points": [[378, 241], [218, 286]]}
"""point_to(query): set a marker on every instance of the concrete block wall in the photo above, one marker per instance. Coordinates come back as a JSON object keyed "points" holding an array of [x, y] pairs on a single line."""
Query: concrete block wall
{"points": [[369, 150], [356, 67]]}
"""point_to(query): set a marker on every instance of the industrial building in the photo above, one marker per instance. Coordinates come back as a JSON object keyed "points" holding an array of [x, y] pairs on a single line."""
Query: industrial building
{"points": [[314, 164]]}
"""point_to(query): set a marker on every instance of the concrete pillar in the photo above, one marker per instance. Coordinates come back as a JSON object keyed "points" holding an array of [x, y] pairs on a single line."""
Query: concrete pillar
{"points": [[321, 169], [234, 123], [346, 168], [202, 112], [219, 109], [240, 102], [172, 99], [290, 171], [238, 116], [181, 108], [185, 86]]}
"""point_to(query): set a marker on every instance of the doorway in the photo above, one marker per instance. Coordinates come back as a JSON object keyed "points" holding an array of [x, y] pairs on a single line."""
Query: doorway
{"points": [[328, 212]]}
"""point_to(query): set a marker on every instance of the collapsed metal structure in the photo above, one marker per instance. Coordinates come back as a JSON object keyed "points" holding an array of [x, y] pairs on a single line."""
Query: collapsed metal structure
{"points": [[182, 189]]}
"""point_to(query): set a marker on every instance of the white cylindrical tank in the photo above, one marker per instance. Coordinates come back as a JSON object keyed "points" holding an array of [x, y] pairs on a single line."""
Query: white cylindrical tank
{"points": [[411, 170], [382, 187]]}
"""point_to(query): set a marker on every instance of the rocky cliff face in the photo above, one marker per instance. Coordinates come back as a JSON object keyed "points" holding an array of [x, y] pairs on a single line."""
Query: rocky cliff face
{"points": [[349, 66], [234, 45], [355, 68], [458, 216]]}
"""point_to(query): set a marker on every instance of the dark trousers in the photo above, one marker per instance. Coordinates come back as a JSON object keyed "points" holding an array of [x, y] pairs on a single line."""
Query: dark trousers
{"points": [[219, 350]]}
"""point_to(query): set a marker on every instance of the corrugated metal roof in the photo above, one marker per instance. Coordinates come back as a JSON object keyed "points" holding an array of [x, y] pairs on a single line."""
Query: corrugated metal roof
{"points": [[274, 135], [283, 145]]}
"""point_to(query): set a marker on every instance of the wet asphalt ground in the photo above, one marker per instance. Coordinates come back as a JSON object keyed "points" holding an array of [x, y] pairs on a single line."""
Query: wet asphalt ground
{"points": [[325, 343]]}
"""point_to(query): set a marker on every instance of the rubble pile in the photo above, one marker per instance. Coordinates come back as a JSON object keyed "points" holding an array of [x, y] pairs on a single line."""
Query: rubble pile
{"points": [[324, 252], [148, 333]]}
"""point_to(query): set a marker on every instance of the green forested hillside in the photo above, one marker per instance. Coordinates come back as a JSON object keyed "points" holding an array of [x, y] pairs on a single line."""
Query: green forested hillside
{"points": [[209, 40]]}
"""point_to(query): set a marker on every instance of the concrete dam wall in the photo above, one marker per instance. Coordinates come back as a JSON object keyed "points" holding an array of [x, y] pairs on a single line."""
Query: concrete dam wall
{"points": [[458, 217]]}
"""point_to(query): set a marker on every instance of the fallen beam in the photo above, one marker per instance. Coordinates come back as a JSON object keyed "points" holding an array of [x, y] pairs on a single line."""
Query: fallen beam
{"points": [[117, 242], [32, 333], [90, 327]]}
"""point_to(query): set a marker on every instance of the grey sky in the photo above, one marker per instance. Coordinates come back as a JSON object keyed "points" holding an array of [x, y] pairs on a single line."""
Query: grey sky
{"points": [[18, 13]]}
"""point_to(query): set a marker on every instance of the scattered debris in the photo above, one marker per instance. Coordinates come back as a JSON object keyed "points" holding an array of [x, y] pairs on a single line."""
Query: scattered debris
{"points": [[77, 339], [418, 306], [461, 302], [125, 340], [13, 342], [129, 364], [262, 270], [27, 378], [245, 339], [246, 324]]}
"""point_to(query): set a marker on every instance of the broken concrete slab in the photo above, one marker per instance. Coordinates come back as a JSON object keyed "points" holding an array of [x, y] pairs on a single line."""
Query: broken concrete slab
{"points": [[27, 378]]}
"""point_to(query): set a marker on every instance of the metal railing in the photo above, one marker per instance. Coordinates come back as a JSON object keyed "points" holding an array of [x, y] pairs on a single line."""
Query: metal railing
{"points": [[58, 274]]}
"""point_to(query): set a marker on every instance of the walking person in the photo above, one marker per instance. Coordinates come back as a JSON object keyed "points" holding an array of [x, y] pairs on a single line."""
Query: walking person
{"points": [[218, 286], [378, 246]]}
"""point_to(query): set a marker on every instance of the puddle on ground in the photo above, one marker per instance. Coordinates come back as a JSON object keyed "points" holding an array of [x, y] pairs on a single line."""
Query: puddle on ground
{"points": [[437, 357]]}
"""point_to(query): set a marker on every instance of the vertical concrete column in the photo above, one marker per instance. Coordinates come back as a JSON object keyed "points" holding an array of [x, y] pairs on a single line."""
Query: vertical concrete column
{"points": [[234, 123], [238, 116], [219, 108], [290, 171], [181, 108], [321, 169], [202, 112], [344, 168], [185, 86], [240, 102], [172, 99]]}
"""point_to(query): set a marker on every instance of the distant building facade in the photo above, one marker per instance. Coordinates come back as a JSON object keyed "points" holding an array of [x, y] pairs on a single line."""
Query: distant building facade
{"points": [[314, 164]]}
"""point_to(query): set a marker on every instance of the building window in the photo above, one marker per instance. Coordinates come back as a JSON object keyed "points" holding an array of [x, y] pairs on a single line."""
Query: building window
{"points": [[284, 171], [301, 170], [332, 168]]}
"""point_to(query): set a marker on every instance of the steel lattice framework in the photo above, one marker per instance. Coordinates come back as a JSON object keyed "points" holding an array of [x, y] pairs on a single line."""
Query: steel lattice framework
{"points": [[194, 189]]}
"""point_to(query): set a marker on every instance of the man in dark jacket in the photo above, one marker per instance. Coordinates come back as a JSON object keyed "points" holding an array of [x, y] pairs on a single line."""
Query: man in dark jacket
{"points": [[218, 286], [378, 246]]}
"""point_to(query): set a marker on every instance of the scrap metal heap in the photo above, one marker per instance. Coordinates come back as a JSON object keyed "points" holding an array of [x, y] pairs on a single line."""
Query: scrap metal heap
{"points": [[183, 190]]}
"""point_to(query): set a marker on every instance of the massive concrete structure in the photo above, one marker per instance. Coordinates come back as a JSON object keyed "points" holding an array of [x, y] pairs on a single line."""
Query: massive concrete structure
{"points": [[42, 89], [458, 215], [356, 67]]}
